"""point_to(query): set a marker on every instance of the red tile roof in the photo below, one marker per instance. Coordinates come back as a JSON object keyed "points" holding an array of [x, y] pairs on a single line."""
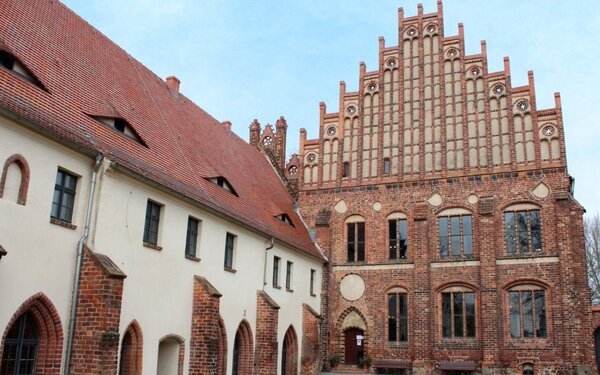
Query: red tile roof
{"points": [[87, 74]]}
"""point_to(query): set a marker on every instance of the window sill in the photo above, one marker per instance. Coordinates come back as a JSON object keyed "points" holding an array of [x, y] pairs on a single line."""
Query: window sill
{"points": [[191, 257], [62, 223], [313, 295], [276, 286], [230, 269], [289, 290], [398, 344], [152, 246]]}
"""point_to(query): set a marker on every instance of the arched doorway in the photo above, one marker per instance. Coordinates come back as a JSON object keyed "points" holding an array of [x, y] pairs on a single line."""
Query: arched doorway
{"points": [[170, 355], [32, 341], [597, 346], [242, 350], [289, 353], [131, 351]]}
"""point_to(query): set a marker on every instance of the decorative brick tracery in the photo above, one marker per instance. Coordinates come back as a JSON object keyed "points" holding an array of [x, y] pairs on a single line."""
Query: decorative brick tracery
{"points": [[49, 329]]}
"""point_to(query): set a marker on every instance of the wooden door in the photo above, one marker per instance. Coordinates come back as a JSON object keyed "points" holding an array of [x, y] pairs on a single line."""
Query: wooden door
{"points": [[354, 345]]}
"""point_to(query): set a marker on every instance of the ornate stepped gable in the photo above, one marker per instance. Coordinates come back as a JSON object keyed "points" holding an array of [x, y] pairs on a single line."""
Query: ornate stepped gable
{"points": [[429, 111]]}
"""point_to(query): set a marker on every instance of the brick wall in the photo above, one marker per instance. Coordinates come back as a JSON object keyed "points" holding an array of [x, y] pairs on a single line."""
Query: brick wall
{"points": [[267, 317], [206, 336], [96, 335], [310, 361]]}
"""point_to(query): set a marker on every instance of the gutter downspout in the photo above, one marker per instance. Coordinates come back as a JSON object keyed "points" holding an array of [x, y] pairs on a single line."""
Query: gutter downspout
{"points": [[86, 230], [265, 266]]}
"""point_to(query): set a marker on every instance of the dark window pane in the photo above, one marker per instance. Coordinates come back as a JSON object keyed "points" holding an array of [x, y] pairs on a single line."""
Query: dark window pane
{"points": [[455, 232], [467, 224], [191, 238], [515, 312], [527, 304], [276, 261], [288, 276], [229, 243], [403, 245], [540, 312], [443, 230], [509, 230], [470, 313], [536, 233], [446, 314], [63, 199], [152, 222], [523, 233], [403, 324], [458, 315], [393, 238], [312, 281], [360, 245], [392, 317], [351, 242]]}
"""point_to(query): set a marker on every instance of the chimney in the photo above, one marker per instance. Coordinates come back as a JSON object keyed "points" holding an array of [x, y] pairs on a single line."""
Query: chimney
{"points": [[173, 83], [227, 125]]}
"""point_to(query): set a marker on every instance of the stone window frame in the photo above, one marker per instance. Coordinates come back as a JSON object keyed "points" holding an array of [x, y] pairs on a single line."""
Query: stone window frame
{"points": [[397, 291], [516, 208], [358, 224], [397, 217], [455, 288], [456, 212]]}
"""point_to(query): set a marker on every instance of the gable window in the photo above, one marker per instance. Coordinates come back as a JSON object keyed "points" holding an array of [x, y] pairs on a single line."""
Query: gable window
{"points": [[191, 238], [223, 183], [285, 218], [288, 275], [355, 239], [456, 234], [397, 236], [230, 240], [458, 313], [152, 222], [119, 124], [313, 274], [276, 263], [397, 316], [522, 228], [527, 305], [64, 196], [12, 64]]}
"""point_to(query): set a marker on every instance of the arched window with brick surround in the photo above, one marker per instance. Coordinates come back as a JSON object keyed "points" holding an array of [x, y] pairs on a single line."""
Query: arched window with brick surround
{"points": [[289, 353], [455, 233], [171, 351], [32, 341], [397, 223], [355, 238], [243, 350], [130, 362], [523, 228], [527, 311], [15, 179], [458, 312]]}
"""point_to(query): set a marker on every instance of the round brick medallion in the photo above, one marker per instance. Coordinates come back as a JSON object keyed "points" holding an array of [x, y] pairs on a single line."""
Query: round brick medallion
{"points": [[352, 287]]}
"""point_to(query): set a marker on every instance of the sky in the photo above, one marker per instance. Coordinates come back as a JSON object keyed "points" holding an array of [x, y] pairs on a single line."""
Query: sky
{"points": [[241, 60]]}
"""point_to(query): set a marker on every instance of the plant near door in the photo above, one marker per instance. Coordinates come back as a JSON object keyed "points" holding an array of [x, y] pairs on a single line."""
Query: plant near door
{"points": [[365, 363], [334, 360]]}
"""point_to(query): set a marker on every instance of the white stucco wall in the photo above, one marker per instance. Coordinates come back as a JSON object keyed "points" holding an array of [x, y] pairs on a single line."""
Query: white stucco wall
{"points": [[159, 284]]}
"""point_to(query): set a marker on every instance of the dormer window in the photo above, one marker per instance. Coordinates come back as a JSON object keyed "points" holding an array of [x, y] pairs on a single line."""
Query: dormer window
{"points": [[285, 218], [121, 125], [222, 182], [11, 63]]}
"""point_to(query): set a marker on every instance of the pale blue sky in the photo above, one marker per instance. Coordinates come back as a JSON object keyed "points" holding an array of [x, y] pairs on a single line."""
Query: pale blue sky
{"points": [[242, 60]]}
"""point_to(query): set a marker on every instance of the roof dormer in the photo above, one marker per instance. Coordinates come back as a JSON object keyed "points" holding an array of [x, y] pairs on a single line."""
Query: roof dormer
{"points": [[223, 183], [12, 64], [121, 125]]}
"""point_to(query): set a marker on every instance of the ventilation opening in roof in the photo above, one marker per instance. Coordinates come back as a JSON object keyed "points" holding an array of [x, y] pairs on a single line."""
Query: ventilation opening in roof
{"points": [[222, 182], [11, 63], [285, 218], [121, 125]]}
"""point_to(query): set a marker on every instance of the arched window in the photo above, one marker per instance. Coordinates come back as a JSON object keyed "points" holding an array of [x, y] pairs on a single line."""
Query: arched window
{"points": [[289, 353], [15, 179], [20, 347], [397, 315], [527, 314], [242, 351], [170, 355], [355, 235], [455, 233], [397, 236], [458, 312], [522, 228]]}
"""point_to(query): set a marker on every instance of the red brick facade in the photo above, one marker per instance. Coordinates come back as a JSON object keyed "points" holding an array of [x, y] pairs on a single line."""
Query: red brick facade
{"points": [[429, 135], [310, 342], [266, 345], [96, 335]]}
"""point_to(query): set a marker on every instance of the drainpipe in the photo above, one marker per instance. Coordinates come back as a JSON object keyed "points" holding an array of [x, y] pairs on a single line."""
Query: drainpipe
{"points": [[86, 230], [265, 267]]}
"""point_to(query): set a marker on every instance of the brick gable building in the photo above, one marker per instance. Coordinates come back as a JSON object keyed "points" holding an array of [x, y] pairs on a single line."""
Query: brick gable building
{"points": [[441, 197]]}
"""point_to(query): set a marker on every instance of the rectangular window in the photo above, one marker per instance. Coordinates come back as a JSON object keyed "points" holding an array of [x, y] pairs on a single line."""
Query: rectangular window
{"points": [[64, 196], [229, 249], [356, 242], [191, 238], [527, 314], [398, 241], [458, 314], [152, 222], [288, 275], [523, 231], [276, 261], [397, 317], [313, 274], [456, 235]]}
